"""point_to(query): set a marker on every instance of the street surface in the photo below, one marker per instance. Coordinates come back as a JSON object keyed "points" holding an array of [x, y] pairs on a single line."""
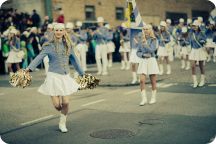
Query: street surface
{"points": [[110, 114]]}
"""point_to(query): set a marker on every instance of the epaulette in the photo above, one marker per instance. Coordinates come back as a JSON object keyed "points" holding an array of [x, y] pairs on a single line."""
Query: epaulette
{"points": [[46, 44]]}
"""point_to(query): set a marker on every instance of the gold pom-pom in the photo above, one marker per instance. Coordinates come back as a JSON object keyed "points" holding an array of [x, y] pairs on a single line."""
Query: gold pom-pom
{"points": [[88, 81], [20, 79]]}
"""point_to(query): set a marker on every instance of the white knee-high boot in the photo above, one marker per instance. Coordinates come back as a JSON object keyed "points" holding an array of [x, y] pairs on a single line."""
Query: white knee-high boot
{"points": [[202, 80], [168, 69], [134, 75], [123, 65], [110, 63], [182, 64], [195, 83], [62, 123], [187, 65], [143, 98], [161, 69], [153, 97], [127, 65]]}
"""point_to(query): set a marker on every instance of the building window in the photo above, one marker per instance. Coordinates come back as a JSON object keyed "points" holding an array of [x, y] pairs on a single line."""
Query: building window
{"points": [[90, 12], [174, 16], [203, 14], [120, 13]]}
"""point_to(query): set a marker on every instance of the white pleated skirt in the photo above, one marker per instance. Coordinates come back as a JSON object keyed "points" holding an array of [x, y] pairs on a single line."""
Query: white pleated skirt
{"points": [[148, 66], [110, 47], [185, 51], [126, 47], [58, 85], [133, 56], [162, 51], [13, 58], [198, 54], [210, 43]]}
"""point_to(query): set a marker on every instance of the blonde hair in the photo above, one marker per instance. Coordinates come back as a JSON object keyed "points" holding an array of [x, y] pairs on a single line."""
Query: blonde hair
{"points": [[151, 33], [66, 41]]}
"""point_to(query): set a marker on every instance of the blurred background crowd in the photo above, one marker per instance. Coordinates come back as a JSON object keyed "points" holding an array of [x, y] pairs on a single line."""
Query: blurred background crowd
{"points": [[30, 28]]}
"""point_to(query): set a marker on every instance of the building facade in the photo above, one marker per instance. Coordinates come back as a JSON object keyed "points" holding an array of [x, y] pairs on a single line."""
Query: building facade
{"points": [[152, 11]]}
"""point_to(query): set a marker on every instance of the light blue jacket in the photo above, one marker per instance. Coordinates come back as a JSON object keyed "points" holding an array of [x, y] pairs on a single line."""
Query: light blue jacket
{"points": [[126, 37], [83, 37], [100, 35], [184, 41], [15, 44], [109, 36], [147, 48], [58, 59], [209, 33], [197, 39], [163, 38]]}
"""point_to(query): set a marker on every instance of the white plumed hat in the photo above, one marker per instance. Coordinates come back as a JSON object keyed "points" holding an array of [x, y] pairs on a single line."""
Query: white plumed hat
{"points": [[50, 26], [163, 23], [181, 20], [78, 23], [59, 26], [100, 19], [70, 25]]}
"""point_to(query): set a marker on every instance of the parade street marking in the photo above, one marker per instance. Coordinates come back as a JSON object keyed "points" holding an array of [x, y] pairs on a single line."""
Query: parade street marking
{"points": [[131, 92], [212, 85], [36, 120], [168, 85], [94, 102], [164, 85]]}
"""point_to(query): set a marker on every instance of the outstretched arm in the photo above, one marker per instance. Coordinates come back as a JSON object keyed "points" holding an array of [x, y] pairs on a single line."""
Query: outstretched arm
{"points": [[74, 61], [39, 58]]}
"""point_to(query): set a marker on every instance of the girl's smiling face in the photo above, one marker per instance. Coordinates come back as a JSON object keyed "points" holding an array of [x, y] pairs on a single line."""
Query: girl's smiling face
{"points": [[59, 33]]}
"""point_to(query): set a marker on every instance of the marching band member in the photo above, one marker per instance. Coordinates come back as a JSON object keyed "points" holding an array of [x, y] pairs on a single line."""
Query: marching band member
{"points": [[171, 44], [125, 47], [198, 53], [178, 32], [189, 25], [163, 39], [110, 45], [58, 84], [101, 49], [210, 45], [81, 44], [148, 63], [134, 59], [201, 24], [184, 42], [14, 44]]}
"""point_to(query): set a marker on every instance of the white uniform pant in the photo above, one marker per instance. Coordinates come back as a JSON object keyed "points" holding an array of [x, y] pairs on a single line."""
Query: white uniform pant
{"points": [[101, 53], [81, 54]]}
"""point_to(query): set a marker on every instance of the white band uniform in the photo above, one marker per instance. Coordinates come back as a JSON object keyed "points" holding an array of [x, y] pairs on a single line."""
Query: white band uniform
{"points": [[133, 56], [185, 51], [58, 85], [198, 54], [148, 66], [126, 47], [110, 47], [13, 57], [162, 51], [210, 43]]}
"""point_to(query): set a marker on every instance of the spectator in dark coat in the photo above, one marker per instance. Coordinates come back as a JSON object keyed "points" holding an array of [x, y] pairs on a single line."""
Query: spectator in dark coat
{"points": [[35, 19]]}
